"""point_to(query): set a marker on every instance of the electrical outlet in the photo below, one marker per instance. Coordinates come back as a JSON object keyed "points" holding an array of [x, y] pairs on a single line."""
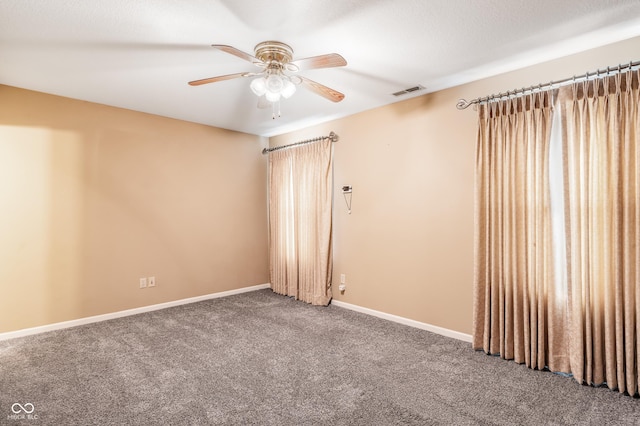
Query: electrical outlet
{"points": [[343, 279], [143, 282], [152, 281]]}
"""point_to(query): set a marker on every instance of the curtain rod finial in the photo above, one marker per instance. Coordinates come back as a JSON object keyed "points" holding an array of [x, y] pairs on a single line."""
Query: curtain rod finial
{"points": [[463, 104], [333, 137]]}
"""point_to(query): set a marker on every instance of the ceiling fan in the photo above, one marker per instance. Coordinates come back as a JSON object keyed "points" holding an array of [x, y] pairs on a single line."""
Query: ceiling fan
{"points": [[278, 76]]}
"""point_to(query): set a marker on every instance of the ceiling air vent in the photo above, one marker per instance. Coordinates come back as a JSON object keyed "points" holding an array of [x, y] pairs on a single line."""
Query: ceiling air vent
{"points": [[409, 90]]}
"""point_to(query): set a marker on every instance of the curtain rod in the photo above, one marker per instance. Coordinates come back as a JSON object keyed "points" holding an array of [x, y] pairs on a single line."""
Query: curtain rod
{"points": [[332, 136], [463, 103]]}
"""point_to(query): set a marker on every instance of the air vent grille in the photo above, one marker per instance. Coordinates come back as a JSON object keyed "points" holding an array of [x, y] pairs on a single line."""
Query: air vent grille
{"points": [[409, 90]]}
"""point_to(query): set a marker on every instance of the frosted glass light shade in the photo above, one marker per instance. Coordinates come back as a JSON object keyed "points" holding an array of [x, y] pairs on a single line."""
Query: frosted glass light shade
{"points": [[258, 86], [288, 90], [275, 83], [272, 97]]}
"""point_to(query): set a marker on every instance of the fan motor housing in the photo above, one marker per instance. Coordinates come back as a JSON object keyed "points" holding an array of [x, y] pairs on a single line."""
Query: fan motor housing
{"points": [[273, 51]]}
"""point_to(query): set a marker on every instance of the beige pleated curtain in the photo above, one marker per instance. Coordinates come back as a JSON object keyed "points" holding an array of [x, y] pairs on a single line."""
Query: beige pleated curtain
{"points": [[513, 268], [603, 217], [557, 281], [300, 207]]}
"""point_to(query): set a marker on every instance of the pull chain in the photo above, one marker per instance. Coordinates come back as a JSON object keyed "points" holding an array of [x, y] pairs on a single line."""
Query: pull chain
{"points": [[273, 110]]}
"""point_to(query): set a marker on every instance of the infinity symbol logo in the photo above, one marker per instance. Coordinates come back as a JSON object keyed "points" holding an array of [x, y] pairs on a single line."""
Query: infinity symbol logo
{"points": [[27, 408]]}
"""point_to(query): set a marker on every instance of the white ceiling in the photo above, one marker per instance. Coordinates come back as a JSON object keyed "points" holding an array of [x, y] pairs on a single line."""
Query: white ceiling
{"points": [[140, 54]]}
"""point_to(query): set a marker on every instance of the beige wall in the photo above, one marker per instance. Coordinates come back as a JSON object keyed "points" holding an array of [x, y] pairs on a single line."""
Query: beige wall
{"points": [[407, 247], [92, 198]]}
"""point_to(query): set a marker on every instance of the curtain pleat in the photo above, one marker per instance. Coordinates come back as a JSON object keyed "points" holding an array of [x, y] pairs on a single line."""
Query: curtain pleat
{"points": [[300, 204]]}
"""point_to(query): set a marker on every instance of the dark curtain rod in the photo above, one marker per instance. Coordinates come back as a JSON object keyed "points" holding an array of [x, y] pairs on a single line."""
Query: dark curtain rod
{"points": [[463, 103], [332, 136]]}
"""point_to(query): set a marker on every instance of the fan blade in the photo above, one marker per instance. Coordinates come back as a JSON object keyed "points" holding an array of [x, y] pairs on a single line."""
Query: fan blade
{"points": [[221, 78], [322, 61], [324, 91], [239, 53]]}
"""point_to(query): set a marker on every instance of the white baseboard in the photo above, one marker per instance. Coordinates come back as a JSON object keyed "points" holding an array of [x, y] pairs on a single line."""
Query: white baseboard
{"points": [[104, 317], [119, 314], [406, 321]]}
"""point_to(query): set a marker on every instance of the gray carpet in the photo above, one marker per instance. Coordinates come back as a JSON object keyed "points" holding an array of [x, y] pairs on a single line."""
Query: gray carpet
{"points": [[264, 359]]}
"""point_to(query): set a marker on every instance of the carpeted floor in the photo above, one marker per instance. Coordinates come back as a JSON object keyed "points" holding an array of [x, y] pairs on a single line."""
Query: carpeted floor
{"points": [[264, 359]]}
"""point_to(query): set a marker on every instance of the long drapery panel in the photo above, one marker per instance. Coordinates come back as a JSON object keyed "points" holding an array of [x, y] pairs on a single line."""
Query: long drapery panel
{"points": [[557, 259], [514, 262], [300, 220], [602, 195]]}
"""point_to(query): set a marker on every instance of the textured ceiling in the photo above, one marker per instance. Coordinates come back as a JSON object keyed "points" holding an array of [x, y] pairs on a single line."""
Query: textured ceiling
{"points": [[141, 54]]}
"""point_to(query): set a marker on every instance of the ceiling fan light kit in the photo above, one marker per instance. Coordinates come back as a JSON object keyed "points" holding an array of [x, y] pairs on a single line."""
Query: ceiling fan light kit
{"points": [[277, 78], [273, 87]]}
